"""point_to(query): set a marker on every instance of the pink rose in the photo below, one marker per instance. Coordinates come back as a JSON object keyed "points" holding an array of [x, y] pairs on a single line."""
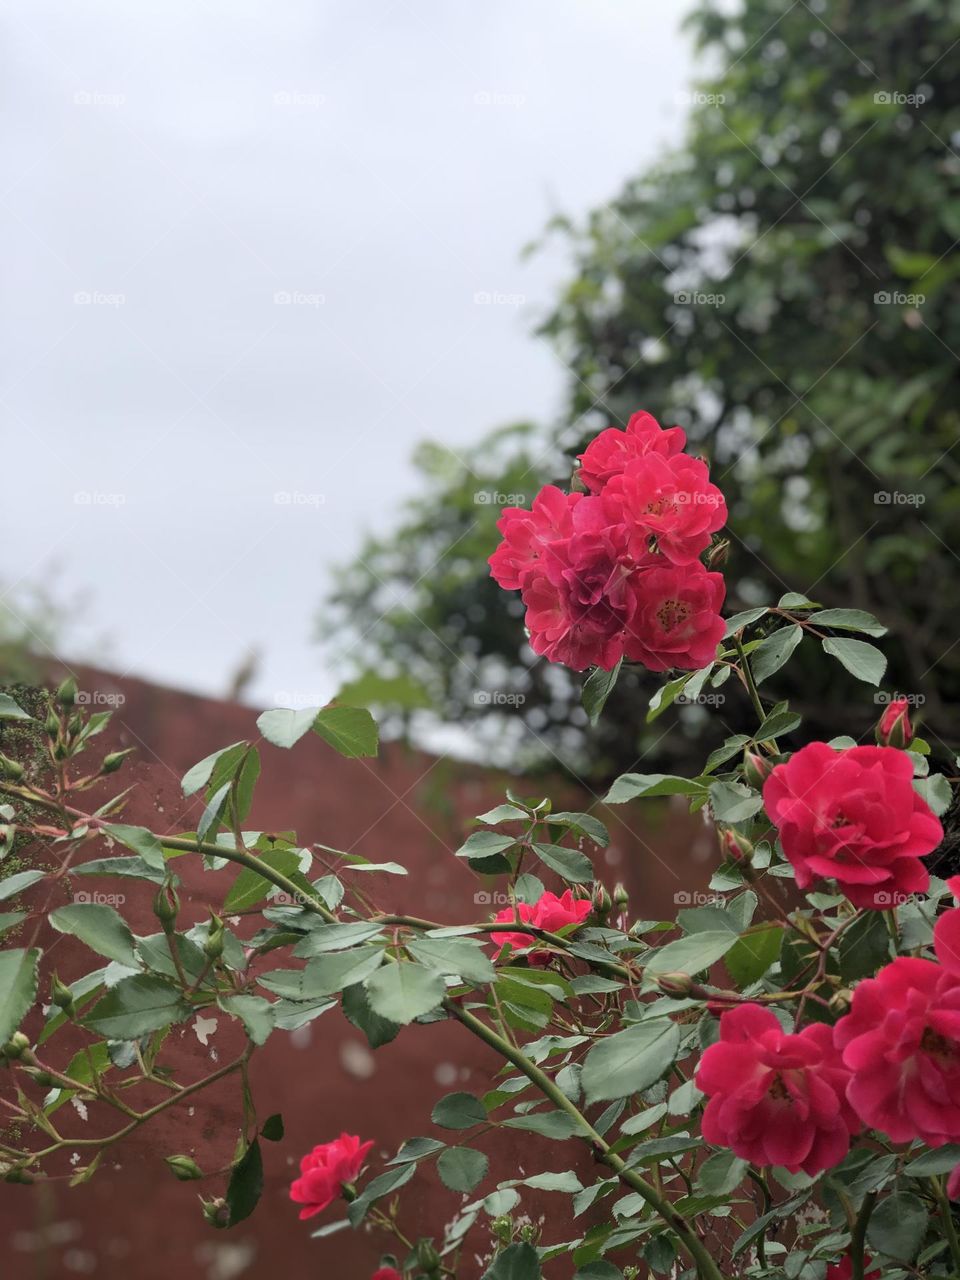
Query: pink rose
{"points": [[549, 913], [675, 617], [386, 1273], [901, 1042], [667, 499], [843, 1270], [609, 453], [853, 816], [776, 1098], [325, 1170], [527, 535]]}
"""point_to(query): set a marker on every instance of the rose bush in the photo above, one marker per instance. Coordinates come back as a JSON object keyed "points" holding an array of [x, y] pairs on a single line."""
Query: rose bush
{"points": [[767, 1085]]}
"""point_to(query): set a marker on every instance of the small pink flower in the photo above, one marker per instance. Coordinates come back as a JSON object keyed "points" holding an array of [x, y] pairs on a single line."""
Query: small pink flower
{"points": [[853, 816], [675, 617], [609, 453], [549, 913], [325, 1170], [670, 500], [776, 1098]]}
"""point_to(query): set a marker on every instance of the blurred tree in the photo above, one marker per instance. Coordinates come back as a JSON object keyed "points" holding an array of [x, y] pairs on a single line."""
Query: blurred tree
{"points": [[785, 287]]}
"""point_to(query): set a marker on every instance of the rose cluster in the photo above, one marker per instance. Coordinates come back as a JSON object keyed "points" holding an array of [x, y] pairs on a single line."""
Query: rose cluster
{"points": [[550, 913], [615, 571], [892, 1063]]}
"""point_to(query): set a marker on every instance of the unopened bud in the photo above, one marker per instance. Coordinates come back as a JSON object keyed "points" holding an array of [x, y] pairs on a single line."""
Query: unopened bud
{"points": [[841, 1000], [427, 1257], [75, 723], [718, 553], [213, 943], [51, 725], [67, 693], [216, 1212], [114, 760], [61, 995], [42, 1078], [19, 1175], [735, 846], [502, 1227], [620, 896], [183, 1168], [16, 1045], [894, 728], [12, 769], [756, 768], [675, 984], [529, 1233], [166, 905], [602, 902]]}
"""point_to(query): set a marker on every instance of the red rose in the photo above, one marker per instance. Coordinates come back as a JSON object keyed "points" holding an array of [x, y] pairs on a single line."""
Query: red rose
{"points": [[901, 1042], [386, 1273], [894, 728], [528, 534], [675, 617], [325, 1170], [670, 499], [549, 912], [776, 1098], [853, 816], [843, 1270], [608, 454]]}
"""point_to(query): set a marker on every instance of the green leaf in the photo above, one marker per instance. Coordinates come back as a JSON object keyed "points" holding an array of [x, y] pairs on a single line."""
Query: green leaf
{"points": [[199, 775], [571, 864], [583, 824], [155, 953], [392, 1180], [943, 1160], [13, 885], [597, 688], [87, 1063], [123, 865], [516, 1262], [136, 1006], [18, 988], [629, 786], [328, 975], [285, 728], [272, 1128], [849, 620], [404, 991], [741, 620], [898, 1225], [862, 660], [214, 810], [356, 1008], [691, 955], [456, 957], [482, 844], [734, 802], [548, 1124], [504, 813], [246, 1184], [722, 1173], [250, 887], [864, 946], [415, 1149], [98, 926], [771, 654], [459, 1111], [10, 919], [775, 724], [10, 710], [335, 937], [141, 841], [462, 1168], [937, 792], [753, 954], [254, 1012], [630, 1060], [350, 730]]}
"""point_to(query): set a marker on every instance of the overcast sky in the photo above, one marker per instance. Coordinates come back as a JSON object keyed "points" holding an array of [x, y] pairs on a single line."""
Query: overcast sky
{"points": [[244, 246]]}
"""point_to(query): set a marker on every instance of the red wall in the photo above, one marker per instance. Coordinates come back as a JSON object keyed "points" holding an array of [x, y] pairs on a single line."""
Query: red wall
{"points": [[133, 1218]]}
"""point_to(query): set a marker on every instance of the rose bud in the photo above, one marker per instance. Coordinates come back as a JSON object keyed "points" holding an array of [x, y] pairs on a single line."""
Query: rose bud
{"points": [[216, 1212], [602, 902], [735, 846], [675, 984], [756, 769], [894, 728], [184, 1169], [166, 905]]}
